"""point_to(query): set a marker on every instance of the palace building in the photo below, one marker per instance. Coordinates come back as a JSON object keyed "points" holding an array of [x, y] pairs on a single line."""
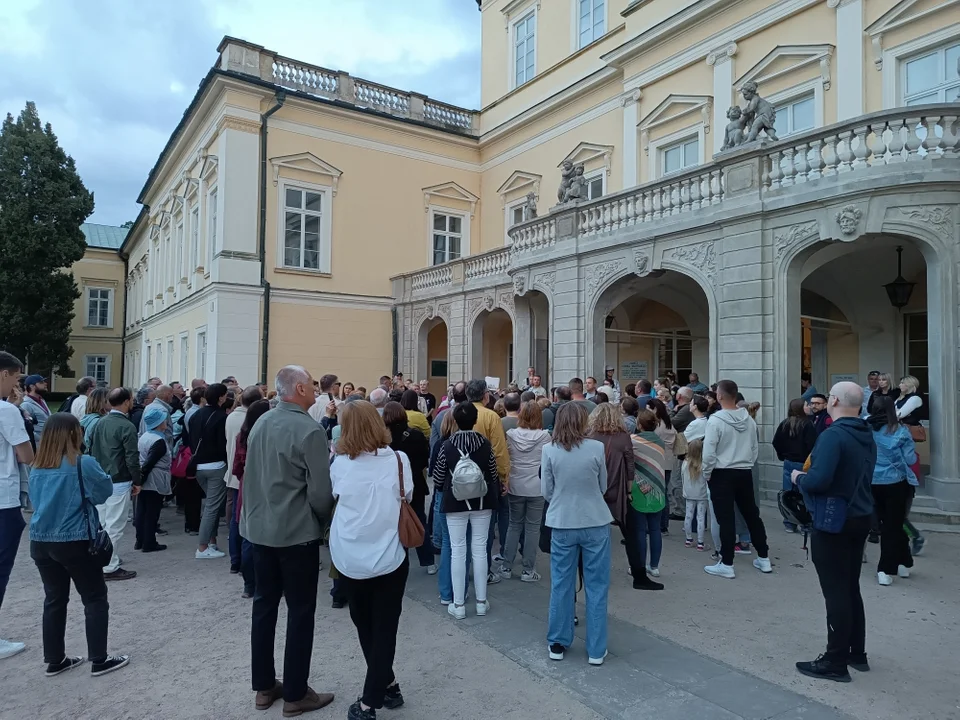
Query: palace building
{"points": [[604, 207]]}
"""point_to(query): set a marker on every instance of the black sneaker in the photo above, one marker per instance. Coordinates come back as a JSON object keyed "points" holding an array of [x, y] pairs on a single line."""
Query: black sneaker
{"points": [[858, 662], [358, 713], [109, 664], [393, 698], [645, 583], [161, 531], [120, 574], [68, 663], [138, 545], [156, 548], [234, 569], [824, 668], [556, 651], [338, 604]]}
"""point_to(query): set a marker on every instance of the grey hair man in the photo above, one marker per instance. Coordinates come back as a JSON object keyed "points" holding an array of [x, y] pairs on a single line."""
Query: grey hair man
{"points": [[842, 467], [154, 382], [163, 396], [682, 415], [286, 498], [379, 398], [85, 386]]}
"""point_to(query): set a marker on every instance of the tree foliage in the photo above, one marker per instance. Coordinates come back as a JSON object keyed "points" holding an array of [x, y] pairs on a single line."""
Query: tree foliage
{"points": [[43, 202]]}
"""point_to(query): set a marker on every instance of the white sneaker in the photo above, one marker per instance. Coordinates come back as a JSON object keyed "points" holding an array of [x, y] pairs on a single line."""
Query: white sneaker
{"points": [[530, 576], [482, 608], [653, 571], [498, 558], [446, 602], [763, 565], [884, 579], [903, 571], [459, 612], [505, 574], [9, 649], [599, 660], [432, 569], [210, 553], [720, 570], [493, 578]]}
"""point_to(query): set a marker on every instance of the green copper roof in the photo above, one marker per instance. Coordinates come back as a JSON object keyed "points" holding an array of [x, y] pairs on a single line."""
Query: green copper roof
{"points": [[107, 237]]}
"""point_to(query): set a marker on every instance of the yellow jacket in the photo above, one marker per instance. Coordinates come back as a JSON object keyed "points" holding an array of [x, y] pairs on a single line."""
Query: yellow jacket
{"points": [[489, 425], [418, 420]]}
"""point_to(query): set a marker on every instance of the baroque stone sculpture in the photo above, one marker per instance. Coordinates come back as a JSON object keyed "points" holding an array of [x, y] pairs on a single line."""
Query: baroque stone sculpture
{"points": [[848, 219], [734, 131], [759, 114], [575, 188], [530, 207], [566, 177]]}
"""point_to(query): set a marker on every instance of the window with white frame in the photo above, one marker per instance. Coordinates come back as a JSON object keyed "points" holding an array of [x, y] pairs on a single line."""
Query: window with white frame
{"points": [[596, 182], [98, 367], [146, 359], [592, 15], [202, 354], [933, 76], [680, 155], [184, 356], [178, 271], [159, 358], [99, 301], [167, 280], [194, 240], [525, 48], [169, 359], [796, 115], [513, 216], [306, 227], [447, 237], [212, 234]]}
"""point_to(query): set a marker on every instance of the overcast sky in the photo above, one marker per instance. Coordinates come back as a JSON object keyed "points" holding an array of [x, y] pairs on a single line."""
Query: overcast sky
{"points": [[113, 77]]}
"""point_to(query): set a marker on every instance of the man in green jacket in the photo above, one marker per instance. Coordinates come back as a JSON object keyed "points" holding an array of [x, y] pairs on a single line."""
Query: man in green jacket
{"points": [[286, 496], [113, 444]]}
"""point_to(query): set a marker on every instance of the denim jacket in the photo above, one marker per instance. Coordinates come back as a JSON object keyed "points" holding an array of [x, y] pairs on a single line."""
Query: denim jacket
{"points": [[896, 452], [55, 494]]}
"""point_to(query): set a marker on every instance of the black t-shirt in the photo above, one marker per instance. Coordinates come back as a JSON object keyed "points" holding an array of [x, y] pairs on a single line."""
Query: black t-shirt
{"points": [[431, 401]]}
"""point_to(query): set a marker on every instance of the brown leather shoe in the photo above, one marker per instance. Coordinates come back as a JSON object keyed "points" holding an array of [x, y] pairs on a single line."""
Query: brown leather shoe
{"points": [[266, 698], [311, 701]]}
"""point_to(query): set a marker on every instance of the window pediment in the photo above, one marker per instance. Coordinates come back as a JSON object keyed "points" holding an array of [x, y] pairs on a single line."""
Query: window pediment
{"points": [[519, 180], [784, 59], [898, 16], [585, 153], [208, 164], [306, 162], [675, 106], [449, 191]]}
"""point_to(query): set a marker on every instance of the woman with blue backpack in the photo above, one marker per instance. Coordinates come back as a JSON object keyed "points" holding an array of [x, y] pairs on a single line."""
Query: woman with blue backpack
{"points": [[465, 472]]}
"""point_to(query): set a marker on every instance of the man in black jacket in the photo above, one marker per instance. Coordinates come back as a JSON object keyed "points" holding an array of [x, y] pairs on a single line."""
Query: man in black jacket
{"points": [[841, 474], [683, 415]]}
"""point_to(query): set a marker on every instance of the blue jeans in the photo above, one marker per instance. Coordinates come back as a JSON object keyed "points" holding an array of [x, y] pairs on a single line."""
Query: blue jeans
{"points": [[234, 539], [11, 528], [788, 467], [649, 524], [566, 546], [442, 540]]}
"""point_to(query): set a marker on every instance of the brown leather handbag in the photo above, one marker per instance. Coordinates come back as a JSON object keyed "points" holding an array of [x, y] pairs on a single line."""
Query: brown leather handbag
{"points": [[410, 528], [918, 433]]}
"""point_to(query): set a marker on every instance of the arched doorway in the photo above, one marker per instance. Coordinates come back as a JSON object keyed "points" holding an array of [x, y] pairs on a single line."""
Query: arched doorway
{"points": [[532, 336], [646, 326], [432, 360], [491, 353]]}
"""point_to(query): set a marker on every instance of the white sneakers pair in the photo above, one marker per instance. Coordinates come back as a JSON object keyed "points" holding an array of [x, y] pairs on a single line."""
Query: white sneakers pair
{"points": [[210, 553], [459, 612], [884, 579], [726, 571]]}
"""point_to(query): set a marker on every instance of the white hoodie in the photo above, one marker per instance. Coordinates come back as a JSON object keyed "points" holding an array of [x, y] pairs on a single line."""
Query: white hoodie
{"points": [[526, 448], [730, 441]]}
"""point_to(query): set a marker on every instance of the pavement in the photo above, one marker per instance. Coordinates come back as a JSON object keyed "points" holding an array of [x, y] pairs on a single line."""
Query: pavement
{"points": [[704, 648]]}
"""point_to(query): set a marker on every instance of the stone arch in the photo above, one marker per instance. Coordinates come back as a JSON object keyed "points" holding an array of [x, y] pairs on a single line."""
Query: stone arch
{"points": [[487, 355], [422, 357]]}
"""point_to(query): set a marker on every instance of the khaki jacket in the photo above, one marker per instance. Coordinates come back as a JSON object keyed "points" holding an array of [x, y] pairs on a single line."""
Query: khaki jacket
{"points": [[489, 425]]}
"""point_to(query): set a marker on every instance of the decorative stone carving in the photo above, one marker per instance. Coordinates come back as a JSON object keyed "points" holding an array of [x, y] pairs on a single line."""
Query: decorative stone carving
{"points": [[489, 302], [721, 54], [530, 207], [519, 284], [545, 280], [572, 183], [794, 234], [443, 312], [567, 172], [597, 274], [940, 218], [473, 306], [702, 256], [733, 135], [641, 261], [849, 219], [420, 313], [505, 300], [631, 97], [759, 114]]}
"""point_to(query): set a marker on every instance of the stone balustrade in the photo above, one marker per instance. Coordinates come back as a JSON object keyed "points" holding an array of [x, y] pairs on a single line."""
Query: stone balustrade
{"points": [[432, 278], [489, 264], [304, 78]]}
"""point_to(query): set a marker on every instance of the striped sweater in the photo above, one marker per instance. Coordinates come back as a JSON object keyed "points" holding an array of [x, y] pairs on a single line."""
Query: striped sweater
{"points": [[648, 464]]}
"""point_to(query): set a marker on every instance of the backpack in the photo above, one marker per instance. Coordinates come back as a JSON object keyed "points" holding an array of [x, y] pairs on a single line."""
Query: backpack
{"points": [[66, 404], [680, 448], [467, 481]]}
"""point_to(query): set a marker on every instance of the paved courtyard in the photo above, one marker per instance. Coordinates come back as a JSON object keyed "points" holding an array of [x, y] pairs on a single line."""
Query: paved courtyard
{"points": [[705, 648]]}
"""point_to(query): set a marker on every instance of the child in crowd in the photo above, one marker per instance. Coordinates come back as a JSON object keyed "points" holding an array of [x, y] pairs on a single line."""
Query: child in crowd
{"points": [[694, 492]]}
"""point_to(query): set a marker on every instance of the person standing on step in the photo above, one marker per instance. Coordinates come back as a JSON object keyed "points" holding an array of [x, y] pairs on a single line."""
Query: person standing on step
{"points": [[837, 491], [730, 449]]}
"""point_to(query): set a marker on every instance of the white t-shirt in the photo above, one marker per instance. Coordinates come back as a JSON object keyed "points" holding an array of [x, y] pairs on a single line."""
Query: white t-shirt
{"points": [[12, 433], [364, 538], [78, 408]]}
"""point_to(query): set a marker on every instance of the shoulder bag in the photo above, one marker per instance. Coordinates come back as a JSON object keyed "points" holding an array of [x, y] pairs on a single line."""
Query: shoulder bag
{"points": [[410, 529], [101, 546], [918, 433]]}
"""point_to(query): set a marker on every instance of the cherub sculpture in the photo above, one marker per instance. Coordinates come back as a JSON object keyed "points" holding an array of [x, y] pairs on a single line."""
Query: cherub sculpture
{"points": [[530, 206], [734, 133], [759, 114], [577, 185], [566, 177]]}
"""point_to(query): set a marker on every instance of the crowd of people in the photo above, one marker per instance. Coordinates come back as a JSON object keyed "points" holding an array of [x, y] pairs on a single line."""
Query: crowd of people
{"points": [[525, 469]]}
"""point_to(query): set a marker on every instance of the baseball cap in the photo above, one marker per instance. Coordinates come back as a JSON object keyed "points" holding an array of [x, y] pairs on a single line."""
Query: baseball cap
{"points": [[33, 380]]}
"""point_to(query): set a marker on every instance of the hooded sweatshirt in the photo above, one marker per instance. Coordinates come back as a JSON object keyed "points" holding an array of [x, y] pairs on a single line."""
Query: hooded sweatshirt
{"points": [[525, 447], [842, 465], [730, 442]]}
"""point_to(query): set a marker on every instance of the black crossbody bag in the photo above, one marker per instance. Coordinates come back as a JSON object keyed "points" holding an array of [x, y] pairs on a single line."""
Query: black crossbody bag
{"points": [[101, 546]]}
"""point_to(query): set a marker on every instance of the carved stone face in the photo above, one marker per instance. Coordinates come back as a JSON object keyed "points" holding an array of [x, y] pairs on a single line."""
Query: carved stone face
{"points": [[567, 165], [748, 91], [848, 219], [734, 113], [579, 169], [519, 282]]}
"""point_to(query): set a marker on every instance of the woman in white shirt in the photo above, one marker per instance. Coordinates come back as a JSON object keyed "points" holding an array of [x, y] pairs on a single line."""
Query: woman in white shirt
{"points": [[365, 545]]}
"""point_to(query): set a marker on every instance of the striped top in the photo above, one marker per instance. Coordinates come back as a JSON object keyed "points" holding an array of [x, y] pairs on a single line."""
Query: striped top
{"points": [[649, 457]]}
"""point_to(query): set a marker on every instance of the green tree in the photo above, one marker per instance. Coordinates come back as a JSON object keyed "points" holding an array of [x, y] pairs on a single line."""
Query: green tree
{"points": [[42, 204]]}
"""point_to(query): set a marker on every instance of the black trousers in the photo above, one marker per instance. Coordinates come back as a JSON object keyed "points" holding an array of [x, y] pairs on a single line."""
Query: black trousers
{"points": [[192, 496], [59, 563], [638, 564], [838, 559], [375, 606], [734, 488], [146, 517], [891, 504], [291, 573]]}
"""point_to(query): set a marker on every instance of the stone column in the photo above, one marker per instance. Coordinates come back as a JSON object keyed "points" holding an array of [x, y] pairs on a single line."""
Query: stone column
{"points": [[631, 112], [849, 59], [522, 337], [569, 314], [721, 60], [818, 352], [456, 339]]}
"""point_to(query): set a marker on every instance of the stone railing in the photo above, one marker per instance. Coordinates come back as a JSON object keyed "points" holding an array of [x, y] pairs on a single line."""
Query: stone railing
{"points": [[489, 264], [249, 59], [432, 278]]}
